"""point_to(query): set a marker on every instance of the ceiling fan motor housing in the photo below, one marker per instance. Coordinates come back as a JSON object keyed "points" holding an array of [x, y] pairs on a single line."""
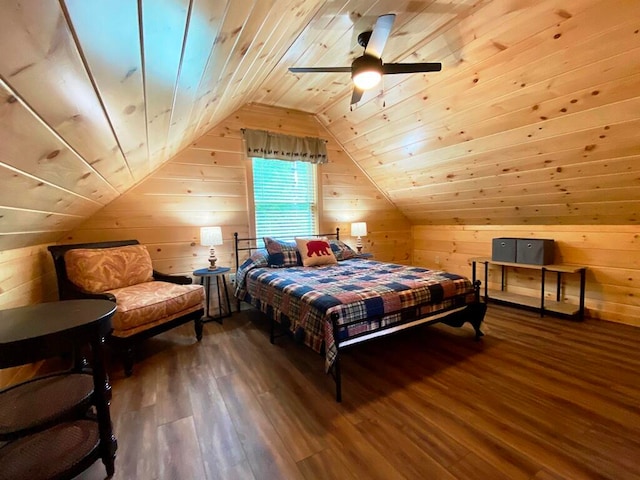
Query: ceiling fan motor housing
{"points": [[366, 71], [363, 38], [366, 63]]}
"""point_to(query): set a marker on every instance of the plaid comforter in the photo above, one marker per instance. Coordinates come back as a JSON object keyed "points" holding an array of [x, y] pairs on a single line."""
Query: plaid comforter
{"points": [[366, 294]]}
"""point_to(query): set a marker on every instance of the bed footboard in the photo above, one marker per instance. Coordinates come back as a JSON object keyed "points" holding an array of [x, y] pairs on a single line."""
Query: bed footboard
{"points": [[472, 313]]}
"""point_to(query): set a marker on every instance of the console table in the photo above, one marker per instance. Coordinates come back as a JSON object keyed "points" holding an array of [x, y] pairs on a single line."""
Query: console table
{"points": [[540, 304], [57, 425]]}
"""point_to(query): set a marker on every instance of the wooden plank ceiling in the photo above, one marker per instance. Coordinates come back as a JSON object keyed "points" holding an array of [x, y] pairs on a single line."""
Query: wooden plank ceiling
{"points": [[534, 118]]}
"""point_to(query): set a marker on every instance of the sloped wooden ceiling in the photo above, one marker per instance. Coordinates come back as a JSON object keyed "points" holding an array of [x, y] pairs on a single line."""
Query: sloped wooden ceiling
{"points": [[533, 119]]}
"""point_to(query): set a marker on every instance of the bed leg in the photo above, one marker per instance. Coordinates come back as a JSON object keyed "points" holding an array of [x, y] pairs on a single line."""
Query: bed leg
{"points": [[338, 379], [272, 329], [477, 317]]}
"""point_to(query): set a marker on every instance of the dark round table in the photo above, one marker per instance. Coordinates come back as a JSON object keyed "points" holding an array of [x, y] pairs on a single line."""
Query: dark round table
{"points": [[63, 448]]}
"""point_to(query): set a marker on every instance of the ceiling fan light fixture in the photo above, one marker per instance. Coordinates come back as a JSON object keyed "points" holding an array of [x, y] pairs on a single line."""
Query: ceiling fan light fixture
{"points": [[366, 72]]}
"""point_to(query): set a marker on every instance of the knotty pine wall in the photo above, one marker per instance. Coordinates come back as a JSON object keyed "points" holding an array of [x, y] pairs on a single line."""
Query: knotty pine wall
{"points": [[611, 253], [26, 277], [206, 184]]}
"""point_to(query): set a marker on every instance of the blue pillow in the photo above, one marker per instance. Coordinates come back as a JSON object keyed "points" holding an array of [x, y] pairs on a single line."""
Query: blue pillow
{"points": [[281, 253], [341, 250]]}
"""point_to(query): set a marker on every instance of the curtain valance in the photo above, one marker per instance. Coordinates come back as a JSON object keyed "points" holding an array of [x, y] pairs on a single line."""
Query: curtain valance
{"points": [[260, 143]]}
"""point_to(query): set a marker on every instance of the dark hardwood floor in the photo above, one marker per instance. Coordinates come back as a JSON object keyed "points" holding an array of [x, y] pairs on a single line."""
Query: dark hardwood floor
{"points": [[537, 398]]}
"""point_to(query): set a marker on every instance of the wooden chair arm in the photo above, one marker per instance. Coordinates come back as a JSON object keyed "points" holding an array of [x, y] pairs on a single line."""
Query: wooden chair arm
{"points": [[179, 279]]}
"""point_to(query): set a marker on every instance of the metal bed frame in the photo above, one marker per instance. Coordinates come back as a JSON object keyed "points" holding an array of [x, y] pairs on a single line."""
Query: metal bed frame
{"points": [[455, 315]]}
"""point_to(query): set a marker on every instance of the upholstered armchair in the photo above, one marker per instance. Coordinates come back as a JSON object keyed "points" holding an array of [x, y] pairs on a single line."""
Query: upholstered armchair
{"points": [[148, 302]]}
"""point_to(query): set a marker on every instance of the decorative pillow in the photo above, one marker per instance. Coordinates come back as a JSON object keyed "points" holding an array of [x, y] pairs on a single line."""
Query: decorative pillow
{"points": [[341, 250], [315, 251], [100, 269], [281, 253]]}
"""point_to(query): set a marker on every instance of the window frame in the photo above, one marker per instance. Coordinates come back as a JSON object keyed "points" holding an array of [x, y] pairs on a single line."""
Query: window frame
{"points": [[251, 196]]}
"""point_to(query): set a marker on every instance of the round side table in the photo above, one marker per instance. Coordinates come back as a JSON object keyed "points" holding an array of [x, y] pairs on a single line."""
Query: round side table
{"points": [[47, 435], [206, 275]]}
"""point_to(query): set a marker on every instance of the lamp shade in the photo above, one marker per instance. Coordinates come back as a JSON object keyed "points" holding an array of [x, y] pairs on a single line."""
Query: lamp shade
{"points": [[359, 229], [210, 236]]}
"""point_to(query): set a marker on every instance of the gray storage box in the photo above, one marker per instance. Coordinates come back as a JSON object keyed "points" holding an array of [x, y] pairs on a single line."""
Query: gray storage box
{"points": [[503, 249], [534, 251]]}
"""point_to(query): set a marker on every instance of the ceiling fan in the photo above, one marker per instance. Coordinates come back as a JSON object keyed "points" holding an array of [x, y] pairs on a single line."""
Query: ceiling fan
{"points": [[367, 70]]}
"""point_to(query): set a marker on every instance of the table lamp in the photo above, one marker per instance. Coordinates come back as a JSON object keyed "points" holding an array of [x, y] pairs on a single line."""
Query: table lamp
{"points": [[359, 230], [210, 236]]}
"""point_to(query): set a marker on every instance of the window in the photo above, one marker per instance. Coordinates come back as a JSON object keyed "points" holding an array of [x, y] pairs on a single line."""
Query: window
{"points": [[284, 195]]}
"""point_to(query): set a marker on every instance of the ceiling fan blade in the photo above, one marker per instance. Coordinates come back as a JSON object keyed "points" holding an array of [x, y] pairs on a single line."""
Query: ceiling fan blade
{"points": [[390, 68], [380, 35], [320, 69], [356, 95]]}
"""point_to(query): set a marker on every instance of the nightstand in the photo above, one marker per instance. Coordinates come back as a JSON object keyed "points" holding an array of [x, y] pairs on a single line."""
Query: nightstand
{"points": [[223, 293], [364, 255]]}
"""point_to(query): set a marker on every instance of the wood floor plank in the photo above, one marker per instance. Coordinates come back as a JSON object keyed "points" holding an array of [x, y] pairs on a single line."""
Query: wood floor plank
{"points": [[173, 462], [537, 398], [265, 453], [220, 445], [328, 465]]}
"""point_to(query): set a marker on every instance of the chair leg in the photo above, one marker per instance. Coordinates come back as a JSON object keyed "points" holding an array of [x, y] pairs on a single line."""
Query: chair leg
{"points": [[127, 360], [198, 327]]}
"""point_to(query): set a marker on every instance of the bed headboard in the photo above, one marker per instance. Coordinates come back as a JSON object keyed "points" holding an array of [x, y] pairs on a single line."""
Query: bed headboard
{"points": [[249, 244]]}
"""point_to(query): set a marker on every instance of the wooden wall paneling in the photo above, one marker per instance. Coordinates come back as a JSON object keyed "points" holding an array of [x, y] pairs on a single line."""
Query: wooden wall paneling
{"points": [[292, 122], [356, 205], [244, 23], [149, 216], [583, 92], [12, 240], [610, 252], [595, 156], [522, 60], [414, 23], [514, 193], [231, 172], [329, 18], [147, 235], [109, 37], [588, 139], [21, 220], [337, 38], [615, 173], [556, 125], [193, 190], [176, 203], [68, 104], [273, 43], [164, 24], [27, 276], [209, 157], [205, 25], [611, 197], [23, 191], [162, 187], [484, 35], [218, 143], [29, 146]]}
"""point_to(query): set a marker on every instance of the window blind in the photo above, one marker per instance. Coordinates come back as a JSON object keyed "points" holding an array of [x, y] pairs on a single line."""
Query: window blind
{"points": [[284, 196]]}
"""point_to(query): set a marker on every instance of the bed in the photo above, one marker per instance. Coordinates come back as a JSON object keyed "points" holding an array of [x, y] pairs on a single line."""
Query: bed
{"points": [[333, 306]]}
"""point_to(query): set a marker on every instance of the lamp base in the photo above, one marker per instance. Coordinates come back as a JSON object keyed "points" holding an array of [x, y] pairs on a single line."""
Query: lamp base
{"points": [[212, 259], [359, 244]]}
